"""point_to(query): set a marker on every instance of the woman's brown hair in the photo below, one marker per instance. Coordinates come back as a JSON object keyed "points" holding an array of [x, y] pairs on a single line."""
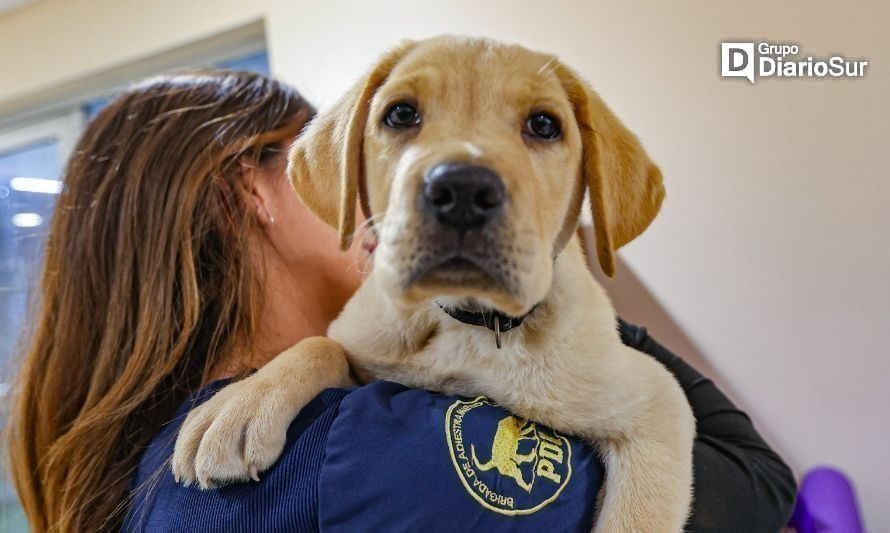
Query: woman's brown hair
{"points": [[147, 284]]}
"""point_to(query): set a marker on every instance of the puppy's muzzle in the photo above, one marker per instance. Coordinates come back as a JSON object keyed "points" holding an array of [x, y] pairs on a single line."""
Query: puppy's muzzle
{"points": [[462, 197]]}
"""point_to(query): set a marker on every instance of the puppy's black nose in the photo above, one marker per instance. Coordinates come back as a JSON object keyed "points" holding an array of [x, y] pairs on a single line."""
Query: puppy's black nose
{"points": [[462, 196]]}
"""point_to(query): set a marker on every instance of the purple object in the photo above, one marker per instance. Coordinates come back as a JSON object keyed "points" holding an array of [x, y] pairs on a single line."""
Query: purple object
{"points": [[826, 503]]}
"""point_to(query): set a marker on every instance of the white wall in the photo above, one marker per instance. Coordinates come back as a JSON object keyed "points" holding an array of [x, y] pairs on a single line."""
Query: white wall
{"points": [[772, 253]]}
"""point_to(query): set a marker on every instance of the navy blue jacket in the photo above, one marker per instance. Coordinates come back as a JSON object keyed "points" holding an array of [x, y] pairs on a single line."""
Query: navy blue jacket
{"points": [[386, 458]]}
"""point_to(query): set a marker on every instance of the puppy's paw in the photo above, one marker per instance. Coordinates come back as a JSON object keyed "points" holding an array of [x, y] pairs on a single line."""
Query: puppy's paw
{"points": [[241, 431], [238, 433]]}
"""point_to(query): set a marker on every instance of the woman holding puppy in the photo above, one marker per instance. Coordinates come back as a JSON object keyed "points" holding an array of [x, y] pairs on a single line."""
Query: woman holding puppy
{"points": [[179, 258]]}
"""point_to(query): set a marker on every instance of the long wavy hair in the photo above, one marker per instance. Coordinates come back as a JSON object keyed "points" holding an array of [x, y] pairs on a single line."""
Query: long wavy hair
{"points": [[147, 284]]}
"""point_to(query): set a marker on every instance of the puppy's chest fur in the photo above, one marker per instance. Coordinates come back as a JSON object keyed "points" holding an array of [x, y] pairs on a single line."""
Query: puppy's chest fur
{"points": [[534, 372]]}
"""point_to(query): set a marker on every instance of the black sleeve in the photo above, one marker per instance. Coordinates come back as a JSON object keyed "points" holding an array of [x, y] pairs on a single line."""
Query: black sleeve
{"points": [[740, 483]]}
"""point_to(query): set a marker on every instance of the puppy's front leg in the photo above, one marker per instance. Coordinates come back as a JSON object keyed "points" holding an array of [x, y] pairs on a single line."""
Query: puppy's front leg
{"points": [[649, 463], [242, 430]]}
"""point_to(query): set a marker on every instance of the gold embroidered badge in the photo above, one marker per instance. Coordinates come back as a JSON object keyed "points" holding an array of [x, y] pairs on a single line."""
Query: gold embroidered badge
{"points": [[509, 465]]}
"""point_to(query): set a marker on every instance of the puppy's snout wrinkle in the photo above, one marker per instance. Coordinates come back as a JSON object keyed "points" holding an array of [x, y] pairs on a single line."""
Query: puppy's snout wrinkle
{"points": [[462, 196]]}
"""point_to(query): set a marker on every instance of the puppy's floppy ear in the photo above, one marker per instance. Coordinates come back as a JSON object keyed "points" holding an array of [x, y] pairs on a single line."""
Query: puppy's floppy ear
{"points": [[326, 163], [625, 186]]}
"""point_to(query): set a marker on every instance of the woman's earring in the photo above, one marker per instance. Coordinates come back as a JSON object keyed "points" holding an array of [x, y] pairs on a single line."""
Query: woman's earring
{"points": [[263, 211]]}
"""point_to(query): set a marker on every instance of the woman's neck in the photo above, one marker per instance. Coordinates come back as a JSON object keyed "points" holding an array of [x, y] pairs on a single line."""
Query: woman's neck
{"points": [[299, 301], [297, 304]]}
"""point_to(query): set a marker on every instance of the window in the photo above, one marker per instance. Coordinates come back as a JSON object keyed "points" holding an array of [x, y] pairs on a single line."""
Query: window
{"points": [[31, 163], [31, 160]]}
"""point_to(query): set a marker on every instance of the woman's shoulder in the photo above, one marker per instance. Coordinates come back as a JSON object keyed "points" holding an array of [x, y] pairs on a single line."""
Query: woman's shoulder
{"points": [[408, 459], [285, 499], [386, 457]]}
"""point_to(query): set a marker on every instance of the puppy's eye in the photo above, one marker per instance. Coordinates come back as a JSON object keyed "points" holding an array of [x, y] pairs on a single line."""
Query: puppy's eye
{"points": [[543, 126], [401, 116]]}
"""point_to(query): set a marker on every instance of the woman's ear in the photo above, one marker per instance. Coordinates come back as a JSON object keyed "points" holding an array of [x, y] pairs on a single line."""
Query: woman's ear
{"points": [[624, 185], [257, 189], [325, 164]]}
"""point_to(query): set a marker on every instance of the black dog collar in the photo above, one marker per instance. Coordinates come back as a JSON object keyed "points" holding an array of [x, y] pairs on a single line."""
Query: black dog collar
{"points": [[493, 320]]}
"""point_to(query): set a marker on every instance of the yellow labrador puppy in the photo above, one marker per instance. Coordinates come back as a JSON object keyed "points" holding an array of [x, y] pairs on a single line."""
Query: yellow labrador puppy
{"points": [[473, 159]]}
